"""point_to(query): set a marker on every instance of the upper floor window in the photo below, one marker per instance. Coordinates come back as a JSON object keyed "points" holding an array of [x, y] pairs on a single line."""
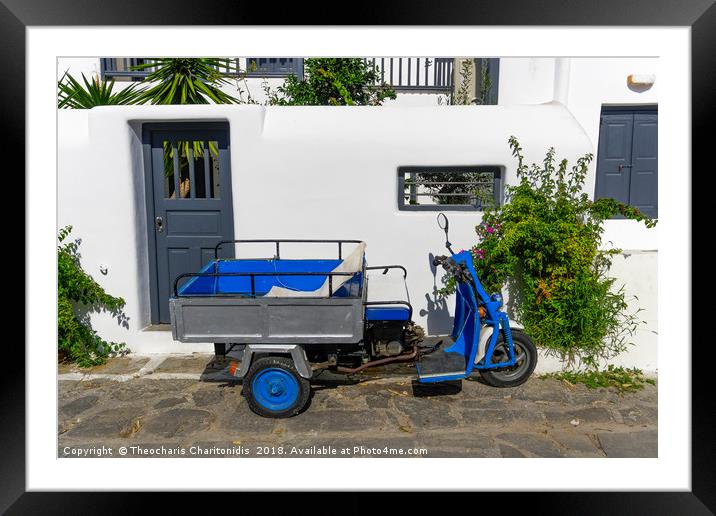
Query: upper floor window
{"points": [[274, 66], [121, 68], [464, 188]]}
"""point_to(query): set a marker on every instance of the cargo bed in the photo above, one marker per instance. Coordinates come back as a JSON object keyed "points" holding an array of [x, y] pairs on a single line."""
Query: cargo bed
{"points": [[231, 301]]}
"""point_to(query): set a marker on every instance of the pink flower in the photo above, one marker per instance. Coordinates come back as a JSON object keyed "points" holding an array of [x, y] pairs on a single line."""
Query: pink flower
{"points": [[489, 229], [479, 253]]}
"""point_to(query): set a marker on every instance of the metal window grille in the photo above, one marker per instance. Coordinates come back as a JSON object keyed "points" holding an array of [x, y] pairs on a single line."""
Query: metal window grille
{"points": [[463, 188]]}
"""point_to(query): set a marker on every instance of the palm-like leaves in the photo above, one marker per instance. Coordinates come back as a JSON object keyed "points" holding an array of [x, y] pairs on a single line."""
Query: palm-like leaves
{"points": [[183, 152], [72, 94], [186, 81]]}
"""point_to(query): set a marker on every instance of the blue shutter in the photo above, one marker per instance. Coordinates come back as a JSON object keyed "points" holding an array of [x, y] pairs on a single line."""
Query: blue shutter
{"points": [[627, 159]]}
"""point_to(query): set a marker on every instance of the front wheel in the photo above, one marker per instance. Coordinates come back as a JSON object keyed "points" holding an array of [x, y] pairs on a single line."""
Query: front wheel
{"points": [[274, 388], [525, 361]]}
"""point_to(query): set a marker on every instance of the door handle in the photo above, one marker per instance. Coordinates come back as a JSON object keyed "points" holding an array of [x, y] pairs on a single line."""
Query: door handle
{"points": [[622, 167], [159, 224]]}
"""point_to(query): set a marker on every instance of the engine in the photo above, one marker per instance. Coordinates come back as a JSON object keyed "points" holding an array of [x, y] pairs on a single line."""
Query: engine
{"points": [[387, 338]]}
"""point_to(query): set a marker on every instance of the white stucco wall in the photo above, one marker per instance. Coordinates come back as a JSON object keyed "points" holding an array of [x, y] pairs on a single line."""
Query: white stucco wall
{"points": [[525, 80], [310, 172], [76, 66]]}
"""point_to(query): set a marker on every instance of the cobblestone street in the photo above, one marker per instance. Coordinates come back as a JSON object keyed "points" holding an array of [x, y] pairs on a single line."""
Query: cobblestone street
{"points": [[151, 406]]}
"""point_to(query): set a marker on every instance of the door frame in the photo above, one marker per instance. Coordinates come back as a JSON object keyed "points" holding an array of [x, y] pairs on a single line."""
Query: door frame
{"points": [[151, 238], [630, 108]]}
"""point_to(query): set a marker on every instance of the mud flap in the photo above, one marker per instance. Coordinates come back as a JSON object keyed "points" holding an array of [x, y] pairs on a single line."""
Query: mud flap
{"points": [[296, 352]]}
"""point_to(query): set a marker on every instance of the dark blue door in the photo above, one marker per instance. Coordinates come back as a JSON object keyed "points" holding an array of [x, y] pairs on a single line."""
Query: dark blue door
{"points": [[192, 206], [627, 160]]}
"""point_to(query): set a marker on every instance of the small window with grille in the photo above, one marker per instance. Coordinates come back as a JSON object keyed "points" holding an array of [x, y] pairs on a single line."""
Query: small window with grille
{"points": [[444, 188]]}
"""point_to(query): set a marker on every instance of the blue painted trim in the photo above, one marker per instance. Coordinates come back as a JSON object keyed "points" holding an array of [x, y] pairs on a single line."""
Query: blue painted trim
{"points": [[387, 314]]}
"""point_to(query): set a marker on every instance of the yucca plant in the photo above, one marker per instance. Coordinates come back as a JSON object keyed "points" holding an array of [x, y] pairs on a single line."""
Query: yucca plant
{"points": [[187, 81], [74, 95], [183, 147]]}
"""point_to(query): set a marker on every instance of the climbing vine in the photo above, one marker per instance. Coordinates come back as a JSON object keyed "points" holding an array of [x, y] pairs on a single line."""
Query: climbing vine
{"points": [[544, 246], [78, 296]]}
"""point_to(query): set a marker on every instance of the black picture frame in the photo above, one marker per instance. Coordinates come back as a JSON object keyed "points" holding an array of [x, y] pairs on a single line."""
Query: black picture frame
{"points": [[700, 15]]}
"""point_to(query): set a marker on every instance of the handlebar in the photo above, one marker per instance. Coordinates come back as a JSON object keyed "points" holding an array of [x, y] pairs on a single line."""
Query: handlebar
{"points": [[458, 270], [439, 260]]}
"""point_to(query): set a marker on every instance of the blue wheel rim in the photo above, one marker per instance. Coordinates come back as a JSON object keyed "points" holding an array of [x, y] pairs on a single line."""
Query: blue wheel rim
{"points": [[275, 389]]}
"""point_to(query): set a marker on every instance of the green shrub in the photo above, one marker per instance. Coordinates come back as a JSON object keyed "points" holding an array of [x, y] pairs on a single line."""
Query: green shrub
{"points": [[543, 245], [79, 295], [333, 82]]}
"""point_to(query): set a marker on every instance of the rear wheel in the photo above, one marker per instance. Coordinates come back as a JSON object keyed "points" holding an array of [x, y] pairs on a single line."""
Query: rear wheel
{"points": [[274, 388], [525, 361]]}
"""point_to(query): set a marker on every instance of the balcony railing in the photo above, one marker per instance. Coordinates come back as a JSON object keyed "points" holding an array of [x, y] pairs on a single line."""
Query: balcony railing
{"points": [[415, 74], [121, 68], [404, 74]]}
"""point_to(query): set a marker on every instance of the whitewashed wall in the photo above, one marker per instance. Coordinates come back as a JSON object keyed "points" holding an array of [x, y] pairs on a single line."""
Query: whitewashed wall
{"points": [[306, 172], [76, 66], [591, 84]]}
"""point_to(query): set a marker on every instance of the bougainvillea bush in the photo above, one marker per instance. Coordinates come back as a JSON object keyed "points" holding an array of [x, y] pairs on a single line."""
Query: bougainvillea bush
{"points": [[544, 246]]}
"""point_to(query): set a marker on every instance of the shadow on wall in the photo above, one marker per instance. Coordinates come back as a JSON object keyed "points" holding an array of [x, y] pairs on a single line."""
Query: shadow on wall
{"points": [[141, 231], [84, 312], [84, 315], [513, 296], [439, 320]]}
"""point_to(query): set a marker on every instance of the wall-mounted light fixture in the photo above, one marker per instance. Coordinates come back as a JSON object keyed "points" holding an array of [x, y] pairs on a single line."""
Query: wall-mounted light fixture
{"points": [[641, 80]]}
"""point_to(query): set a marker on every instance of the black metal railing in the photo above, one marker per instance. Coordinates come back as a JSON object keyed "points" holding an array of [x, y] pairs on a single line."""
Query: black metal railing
{"points": [[385, 269], [274, 67], [415, 74], [278, 243], [121, 68], [403, 74], [252, 276]]}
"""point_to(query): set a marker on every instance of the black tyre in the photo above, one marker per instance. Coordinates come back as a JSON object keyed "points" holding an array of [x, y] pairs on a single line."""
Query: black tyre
{"points": [[526, 361], [273, 388]]}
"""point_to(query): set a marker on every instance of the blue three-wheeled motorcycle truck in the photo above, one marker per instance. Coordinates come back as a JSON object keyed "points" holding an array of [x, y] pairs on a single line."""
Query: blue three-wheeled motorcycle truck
{"points": [[292, 318]]}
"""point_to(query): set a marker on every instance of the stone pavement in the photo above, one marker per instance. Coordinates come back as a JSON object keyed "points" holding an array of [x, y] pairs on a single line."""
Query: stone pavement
{"points": [[172, 406]]}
